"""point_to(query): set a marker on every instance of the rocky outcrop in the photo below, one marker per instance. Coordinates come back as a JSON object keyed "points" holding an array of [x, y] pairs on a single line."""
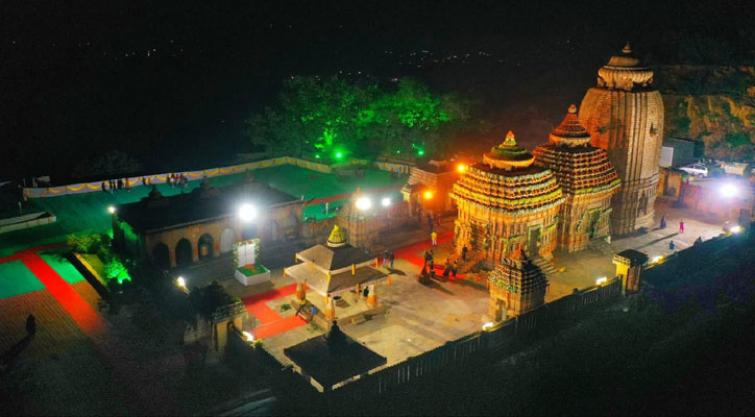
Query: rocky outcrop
{"points": [[712, 104]]}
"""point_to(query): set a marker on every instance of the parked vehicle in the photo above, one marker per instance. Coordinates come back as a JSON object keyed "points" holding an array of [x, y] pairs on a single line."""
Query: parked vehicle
{"points": [[696, 169]]}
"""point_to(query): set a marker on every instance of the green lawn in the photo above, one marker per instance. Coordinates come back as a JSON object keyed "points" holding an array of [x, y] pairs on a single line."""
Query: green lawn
{"points": [[88, 212], [16, 279]]}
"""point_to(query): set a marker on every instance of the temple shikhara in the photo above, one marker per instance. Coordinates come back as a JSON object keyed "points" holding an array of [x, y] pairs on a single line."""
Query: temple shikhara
{"points": [[624, 116], [516, 286], [587, 178], [506, 204]]}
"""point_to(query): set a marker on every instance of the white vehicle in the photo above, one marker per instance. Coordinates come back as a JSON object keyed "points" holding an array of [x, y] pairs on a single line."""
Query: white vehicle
{"points": [[697, 169]]}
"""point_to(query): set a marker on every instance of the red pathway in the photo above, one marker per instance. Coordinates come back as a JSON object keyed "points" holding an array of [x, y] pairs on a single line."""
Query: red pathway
{"points": [[414, 253], [271, 323]]}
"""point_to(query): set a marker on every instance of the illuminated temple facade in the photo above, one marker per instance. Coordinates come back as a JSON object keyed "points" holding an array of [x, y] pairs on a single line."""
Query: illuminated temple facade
{"points": [[587, 178], [624, 116], [506, 204]]}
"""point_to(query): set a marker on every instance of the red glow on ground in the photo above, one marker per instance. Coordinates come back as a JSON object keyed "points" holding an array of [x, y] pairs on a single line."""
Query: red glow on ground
{"points": [[270, 322], [80, 311], [415, 253]]}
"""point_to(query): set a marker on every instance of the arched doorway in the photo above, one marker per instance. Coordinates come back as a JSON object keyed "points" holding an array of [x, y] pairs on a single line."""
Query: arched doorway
{"points": [[226, 240], [183, 252], [205, 246], [161, 256]]}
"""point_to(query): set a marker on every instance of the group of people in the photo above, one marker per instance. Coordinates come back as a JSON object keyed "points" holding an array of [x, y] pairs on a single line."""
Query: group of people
{"points": [[663, 224], [450, 269], [177, 180], [113, 184]]}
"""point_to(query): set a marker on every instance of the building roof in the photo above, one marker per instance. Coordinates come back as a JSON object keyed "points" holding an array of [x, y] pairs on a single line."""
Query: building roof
{"points": [[157, 212], [580, 167], [318, 281], [624, 71], [635, 257], [508, 154], [333, 258], [333, 358]]}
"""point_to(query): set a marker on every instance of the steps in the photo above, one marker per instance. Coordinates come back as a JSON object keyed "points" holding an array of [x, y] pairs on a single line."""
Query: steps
{"points": [[545, 265]]}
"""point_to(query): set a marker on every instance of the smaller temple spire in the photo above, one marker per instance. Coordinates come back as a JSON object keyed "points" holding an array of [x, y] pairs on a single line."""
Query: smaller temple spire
{"points": [[627, 49], [336, 238], [510, 139]]}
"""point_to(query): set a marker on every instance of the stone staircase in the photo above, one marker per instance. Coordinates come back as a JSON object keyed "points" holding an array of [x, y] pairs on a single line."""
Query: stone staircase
{"points": [[601, 246], [545, 265]]}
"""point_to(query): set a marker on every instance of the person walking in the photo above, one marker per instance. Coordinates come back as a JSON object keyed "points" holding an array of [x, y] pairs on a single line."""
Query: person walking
{"points": [[681, 226], [663, 222], [31, 325], [385, 258], [434, 237], [464, 253], [392, 258]]}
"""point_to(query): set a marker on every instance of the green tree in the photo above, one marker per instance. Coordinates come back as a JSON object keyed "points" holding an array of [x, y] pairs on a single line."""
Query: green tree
{"points": [[331, 118]]}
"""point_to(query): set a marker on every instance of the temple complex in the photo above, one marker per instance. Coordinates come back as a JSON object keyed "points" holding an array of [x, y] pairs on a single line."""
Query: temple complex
{"points": [[624, 116], [587, 178], [506, 204], [516, 286]]}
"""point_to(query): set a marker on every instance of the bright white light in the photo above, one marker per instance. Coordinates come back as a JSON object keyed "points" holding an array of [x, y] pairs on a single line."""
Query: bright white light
{"points": [[487, 326], [729, 190], [736, 229], [181, 282], [111, 209], [601, 280], [385, 202], [247, 212], [363, 203], [656, 259], [248, 336]]}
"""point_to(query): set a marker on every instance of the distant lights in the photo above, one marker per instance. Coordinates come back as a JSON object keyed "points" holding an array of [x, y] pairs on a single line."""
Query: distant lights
{"points": [[111, 209], [248, 336], [181, 283], [428, 195], [657, 259], [487, 326], [385, 201], [461, 168], [601, 281], [736, 229]]}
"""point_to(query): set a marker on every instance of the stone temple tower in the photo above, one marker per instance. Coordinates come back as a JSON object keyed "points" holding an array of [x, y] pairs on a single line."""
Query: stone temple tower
{"points": [[624, 116]]}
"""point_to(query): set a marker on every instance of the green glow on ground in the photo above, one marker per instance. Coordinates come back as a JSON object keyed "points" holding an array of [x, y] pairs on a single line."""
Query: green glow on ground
{"points": [[64, 268], [16, 279]]}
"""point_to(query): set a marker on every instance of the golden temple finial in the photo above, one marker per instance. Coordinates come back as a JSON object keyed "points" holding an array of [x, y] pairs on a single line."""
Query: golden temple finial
{"points": [[572, 109], [627, 48], [336, 237], [510, 139]]}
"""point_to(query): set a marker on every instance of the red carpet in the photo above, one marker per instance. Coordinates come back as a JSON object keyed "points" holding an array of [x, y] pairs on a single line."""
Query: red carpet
{"points": [[74, 304], [270, 322], [415, 253]]}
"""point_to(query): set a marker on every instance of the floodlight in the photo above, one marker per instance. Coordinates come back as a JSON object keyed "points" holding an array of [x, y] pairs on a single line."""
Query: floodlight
{"points": [[247, 212], [601, 280], [363, 203], [729, 190], [385, 201], [111, 209]]}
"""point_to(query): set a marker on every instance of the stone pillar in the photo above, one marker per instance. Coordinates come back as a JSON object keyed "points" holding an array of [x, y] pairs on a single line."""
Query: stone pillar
{"points": [[372, 299], [330, 308], [629, 264], [301, 291]]}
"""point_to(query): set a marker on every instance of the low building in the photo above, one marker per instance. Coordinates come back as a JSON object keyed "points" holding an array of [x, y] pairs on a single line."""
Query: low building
{"points": [[204, 223], [429, 187]]}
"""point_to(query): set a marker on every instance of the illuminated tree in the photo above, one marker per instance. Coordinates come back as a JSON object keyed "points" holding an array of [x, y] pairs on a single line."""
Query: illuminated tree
{"points": [[334, 118]]}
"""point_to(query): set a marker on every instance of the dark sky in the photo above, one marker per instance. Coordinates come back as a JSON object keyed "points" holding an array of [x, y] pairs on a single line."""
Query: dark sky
{"points": [[171, 82]]}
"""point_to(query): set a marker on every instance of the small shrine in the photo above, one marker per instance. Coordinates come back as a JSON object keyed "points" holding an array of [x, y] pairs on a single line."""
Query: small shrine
{"points": [[587, 178], [506, 204], [335, 269], [516, 286]]}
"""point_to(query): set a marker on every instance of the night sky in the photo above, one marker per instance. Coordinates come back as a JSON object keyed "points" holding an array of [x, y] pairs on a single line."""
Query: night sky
{"points": [[171, 82]]}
